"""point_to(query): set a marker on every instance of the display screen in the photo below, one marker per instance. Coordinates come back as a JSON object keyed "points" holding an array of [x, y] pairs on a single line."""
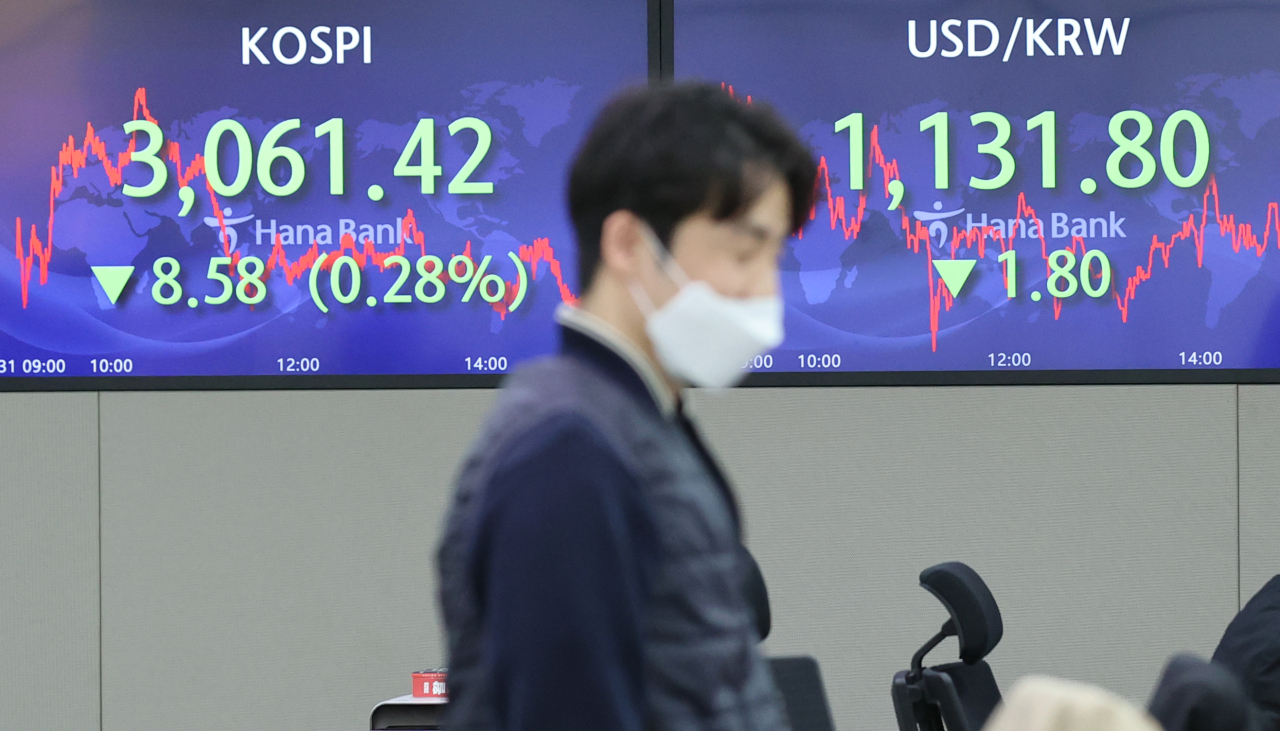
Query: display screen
{"points": [[1012, 188], [297, 189]]}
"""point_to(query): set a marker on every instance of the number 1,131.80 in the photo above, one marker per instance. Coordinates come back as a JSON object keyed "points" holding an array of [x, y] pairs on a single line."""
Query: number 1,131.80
{"points": [[1046, 124]]}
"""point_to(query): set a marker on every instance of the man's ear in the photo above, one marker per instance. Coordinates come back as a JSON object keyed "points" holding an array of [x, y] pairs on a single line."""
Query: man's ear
{"points": [[621, 243]]}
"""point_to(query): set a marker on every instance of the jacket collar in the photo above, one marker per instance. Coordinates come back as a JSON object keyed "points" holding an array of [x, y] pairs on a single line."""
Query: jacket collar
{"points": [[635, 366]]}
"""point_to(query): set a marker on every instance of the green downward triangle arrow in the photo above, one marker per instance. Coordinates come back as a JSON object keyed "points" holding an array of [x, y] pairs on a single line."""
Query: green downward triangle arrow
{"points": [[955, 272], [113, 280]]}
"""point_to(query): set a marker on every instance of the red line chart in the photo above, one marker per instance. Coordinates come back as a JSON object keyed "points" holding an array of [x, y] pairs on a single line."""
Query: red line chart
{"points": [[1124, 287], [1242, 234], [34, 256]]}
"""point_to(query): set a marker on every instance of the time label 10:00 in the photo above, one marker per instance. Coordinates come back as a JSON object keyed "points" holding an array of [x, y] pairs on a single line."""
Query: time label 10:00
{"points": [[492, 363], [417, 159], [807, 361], [58, 366], [1046, 123]]}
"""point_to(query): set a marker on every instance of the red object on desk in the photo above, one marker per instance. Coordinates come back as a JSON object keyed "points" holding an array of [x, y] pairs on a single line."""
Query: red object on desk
{"points": [[430, 684]]}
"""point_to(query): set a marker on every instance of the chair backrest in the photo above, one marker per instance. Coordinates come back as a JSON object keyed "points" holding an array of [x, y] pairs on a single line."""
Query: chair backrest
{"points": [[1250, 648], [956, 696], [1196, 695], [800, 684], [967, 700]]}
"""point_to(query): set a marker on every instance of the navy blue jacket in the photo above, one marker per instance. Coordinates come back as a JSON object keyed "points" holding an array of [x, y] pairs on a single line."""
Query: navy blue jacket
{"points": [[563, 550]]}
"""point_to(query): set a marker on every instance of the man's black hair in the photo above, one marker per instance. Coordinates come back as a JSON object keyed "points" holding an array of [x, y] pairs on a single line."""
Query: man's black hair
{"points": [[668, 151]]}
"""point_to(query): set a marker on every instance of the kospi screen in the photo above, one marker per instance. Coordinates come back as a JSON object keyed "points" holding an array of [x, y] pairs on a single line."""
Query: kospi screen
{"points": [[304, 188], [1015, 190]]}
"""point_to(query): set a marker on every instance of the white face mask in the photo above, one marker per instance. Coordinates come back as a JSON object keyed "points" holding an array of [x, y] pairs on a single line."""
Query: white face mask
{"points": [[703, 337]]}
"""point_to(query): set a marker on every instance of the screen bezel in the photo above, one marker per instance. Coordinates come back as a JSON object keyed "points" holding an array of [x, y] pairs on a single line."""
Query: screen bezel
{"points": [[661, 66], [847, 379]]}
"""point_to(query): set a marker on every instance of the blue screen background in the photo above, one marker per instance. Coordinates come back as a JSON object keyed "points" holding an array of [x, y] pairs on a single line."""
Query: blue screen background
{"points": [[867, 298], [862, 294], [534, 72]]}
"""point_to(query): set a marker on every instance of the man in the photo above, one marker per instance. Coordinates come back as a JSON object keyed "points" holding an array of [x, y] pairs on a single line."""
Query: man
{"points": [[591, 573], [1250, 648]]}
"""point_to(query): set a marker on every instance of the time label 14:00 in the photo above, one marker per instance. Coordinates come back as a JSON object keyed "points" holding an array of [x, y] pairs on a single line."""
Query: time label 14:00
{"points": [[417, 159], [1129, 144]]}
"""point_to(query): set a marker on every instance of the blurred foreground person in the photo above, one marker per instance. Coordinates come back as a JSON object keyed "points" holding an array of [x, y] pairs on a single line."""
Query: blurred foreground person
{"points": [[591, 573], [1197, 695], [1039, 703], [1250, 648]]}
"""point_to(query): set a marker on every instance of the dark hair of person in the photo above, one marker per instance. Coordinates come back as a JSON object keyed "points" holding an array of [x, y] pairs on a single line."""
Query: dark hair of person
{"points": [[668, 151]]}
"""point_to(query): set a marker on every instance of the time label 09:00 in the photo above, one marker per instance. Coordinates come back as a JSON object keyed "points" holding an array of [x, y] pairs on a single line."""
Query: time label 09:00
{"points": [[58, 366], [33, 366]]}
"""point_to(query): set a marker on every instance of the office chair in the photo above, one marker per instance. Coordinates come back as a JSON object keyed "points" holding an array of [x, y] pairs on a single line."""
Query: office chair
{"points": [[957, 696], [1195, 695], [797, 679], [800, 683]]}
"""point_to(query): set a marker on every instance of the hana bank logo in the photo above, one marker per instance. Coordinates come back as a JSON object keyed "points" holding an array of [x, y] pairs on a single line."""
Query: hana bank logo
{"points": [[937, 221], [232, 237]]}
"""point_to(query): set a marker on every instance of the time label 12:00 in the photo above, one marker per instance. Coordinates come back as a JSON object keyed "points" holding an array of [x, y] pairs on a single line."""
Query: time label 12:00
{"points": [[58, 366]]}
